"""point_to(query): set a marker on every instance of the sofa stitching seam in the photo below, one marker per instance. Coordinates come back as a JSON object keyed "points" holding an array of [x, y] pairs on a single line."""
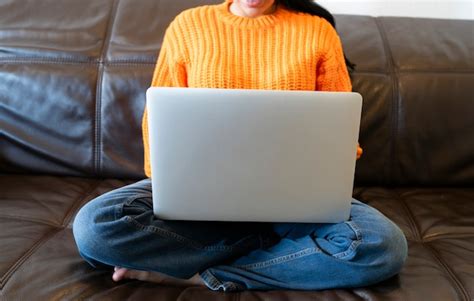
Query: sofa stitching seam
{"points": [[4, 279], [411, 218], [395, 97], [457, 282], [435, 237], [138, 62], [78, 62], [98, 97], [29, 219], [68, 216]]}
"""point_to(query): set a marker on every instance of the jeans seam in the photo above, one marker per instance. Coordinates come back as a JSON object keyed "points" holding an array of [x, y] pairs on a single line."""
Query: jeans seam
{"points": [[353, 246], [130, 199], [152, 229], [215, 284], [181, 239], [355, 228], [168, 234], [281, 259], [210, 280]]}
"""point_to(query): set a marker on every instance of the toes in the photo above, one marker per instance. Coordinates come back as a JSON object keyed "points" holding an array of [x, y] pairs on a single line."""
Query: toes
{"points": [[156, 277], [119, 274], [139, 275]]}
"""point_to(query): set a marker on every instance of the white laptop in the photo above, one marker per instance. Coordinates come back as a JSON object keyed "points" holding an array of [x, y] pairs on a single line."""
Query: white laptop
{"points": [[252, 155]]}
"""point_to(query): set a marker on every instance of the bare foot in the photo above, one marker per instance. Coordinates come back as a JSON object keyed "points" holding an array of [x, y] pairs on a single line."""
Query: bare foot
{"points": [[123, 273]]}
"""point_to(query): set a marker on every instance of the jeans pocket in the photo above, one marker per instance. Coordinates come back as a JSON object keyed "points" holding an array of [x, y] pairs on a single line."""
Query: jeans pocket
{"points": [[352, 239], [135, 208], [207, 236]]}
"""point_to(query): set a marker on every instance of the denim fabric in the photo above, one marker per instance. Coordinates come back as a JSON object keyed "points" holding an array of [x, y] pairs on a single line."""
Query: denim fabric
{"points": [[119, 229]]}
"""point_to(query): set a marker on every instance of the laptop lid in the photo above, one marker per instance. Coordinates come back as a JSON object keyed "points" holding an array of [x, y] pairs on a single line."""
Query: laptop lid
{"points": [[252, 155]]}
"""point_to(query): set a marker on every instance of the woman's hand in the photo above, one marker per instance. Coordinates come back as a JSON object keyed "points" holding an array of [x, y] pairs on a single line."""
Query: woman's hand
{"points": [[359, 151]]}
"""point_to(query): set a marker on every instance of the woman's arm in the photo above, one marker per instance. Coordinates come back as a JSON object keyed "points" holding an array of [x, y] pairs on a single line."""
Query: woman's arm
{"points": [[170, 71], [332, 73]]}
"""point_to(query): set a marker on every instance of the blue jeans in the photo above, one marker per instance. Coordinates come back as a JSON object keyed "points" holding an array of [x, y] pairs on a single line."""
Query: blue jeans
{"points": [[119, 229]]}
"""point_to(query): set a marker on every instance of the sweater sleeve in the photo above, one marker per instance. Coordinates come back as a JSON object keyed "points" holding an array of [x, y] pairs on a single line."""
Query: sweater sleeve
{"points": [[170, 71], [332, 74]]}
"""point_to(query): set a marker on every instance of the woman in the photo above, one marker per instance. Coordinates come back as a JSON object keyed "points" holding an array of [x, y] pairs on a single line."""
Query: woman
{"points": [[249, 44]]}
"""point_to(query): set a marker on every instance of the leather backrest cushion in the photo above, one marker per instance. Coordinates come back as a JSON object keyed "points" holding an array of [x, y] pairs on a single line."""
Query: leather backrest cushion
{"points": [[434, 105], [415, 75], [73, 76]]}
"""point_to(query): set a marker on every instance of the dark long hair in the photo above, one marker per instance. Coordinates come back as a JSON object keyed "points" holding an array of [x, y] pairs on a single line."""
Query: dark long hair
{"points": [[311, 7]]}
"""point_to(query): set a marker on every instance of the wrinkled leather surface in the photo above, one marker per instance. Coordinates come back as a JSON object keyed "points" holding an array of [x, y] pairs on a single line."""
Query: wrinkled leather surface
{"points": [[73, 76]]}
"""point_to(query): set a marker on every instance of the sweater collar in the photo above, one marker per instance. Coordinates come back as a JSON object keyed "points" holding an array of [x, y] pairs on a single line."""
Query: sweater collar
{"points": [[258, 22]]}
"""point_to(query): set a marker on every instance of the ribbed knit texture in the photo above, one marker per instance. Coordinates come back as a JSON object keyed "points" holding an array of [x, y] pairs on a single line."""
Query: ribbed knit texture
{"points": [[209, 47]]}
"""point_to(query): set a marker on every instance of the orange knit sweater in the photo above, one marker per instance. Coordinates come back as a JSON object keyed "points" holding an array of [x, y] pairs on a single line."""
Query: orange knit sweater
{"points": [[208, 46]]}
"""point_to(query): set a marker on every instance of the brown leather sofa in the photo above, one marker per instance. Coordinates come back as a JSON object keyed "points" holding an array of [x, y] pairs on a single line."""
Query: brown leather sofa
{"points": [[73, 76]]}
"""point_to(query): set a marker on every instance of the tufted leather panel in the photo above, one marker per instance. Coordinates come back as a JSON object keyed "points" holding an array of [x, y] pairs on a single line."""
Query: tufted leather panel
{"points": [[73, 76], [38, 254]]}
